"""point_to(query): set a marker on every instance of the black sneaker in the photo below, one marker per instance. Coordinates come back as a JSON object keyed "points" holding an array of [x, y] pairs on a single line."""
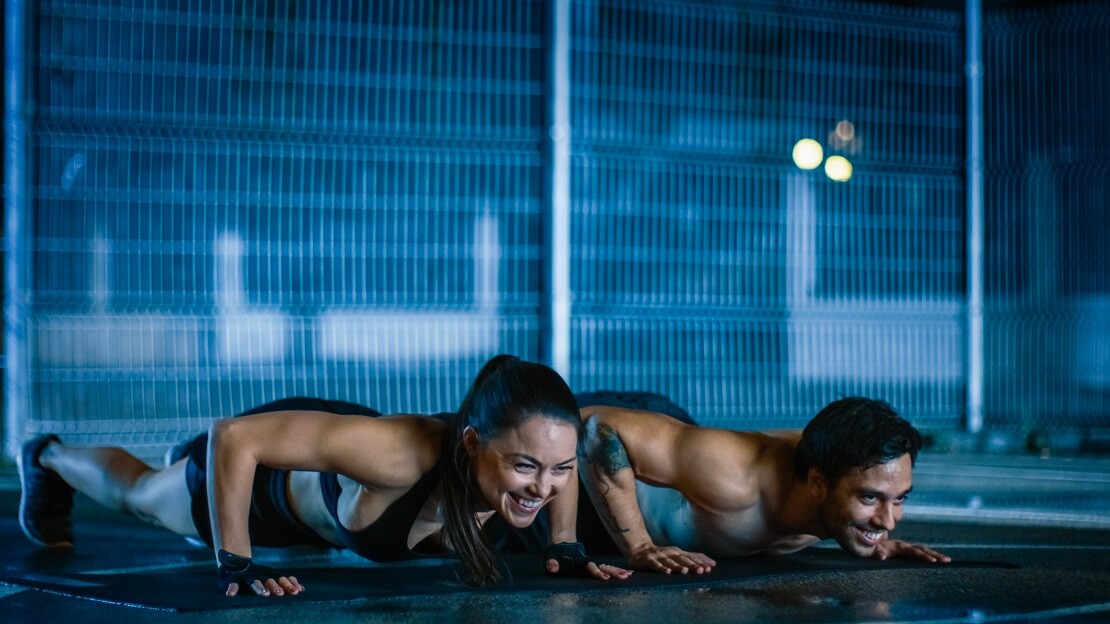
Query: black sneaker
{"points": [[46, 502]]}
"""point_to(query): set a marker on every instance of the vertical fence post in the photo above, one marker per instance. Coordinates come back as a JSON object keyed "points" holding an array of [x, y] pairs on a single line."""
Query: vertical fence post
{"points": [[16, 199], [557, 230], [974, 70]]}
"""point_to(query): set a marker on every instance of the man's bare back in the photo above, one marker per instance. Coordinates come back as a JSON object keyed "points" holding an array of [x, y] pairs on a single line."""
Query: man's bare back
{"points": [[674, 495]]}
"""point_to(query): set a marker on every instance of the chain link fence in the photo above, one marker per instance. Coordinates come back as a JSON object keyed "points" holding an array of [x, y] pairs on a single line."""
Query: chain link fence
{"points": [[231, 204]]}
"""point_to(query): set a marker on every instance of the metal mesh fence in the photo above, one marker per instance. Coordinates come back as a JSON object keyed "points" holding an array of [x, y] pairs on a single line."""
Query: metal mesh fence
{"points": [[708, 266], [256, 200], [245, 201], [1047, 315]]}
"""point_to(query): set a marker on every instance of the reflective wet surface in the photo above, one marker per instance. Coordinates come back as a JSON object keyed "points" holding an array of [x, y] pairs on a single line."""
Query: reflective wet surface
{"points": [[1058, 572]]}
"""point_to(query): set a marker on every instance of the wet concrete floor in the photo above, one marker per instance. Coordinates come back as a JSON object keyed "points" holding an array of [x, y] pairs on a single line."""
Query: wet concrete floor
{"points": [[1062, 571]]}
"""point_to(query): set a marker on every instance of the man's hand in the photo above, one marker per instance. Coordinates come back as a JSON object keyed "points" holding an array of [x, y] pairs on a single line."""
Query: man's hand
{"points": [[891, 548], [668, 559]]}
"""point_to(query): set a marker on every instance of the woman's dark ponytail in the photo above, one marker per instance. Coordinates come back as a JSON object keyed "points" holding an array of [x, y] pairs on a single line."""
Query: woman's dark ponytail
{"points": [[506, 392]]}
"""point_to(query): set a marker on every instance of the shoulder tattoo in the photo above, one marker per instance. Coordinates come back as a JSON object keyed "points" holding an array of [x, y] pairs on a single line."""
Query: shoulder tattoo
{"points": [[603, 448]]}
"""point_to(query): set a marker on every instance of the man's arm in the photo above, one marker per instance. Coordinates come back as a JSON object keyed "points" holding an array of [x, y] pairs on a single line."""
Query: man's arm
{"points": [[611, 472]]}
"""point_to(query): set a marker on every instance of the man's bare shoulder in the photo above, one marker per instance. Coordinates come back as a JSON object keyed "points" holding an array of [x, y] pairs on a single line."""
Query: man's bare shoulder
{"points": [[746, 448], [728, 470]]}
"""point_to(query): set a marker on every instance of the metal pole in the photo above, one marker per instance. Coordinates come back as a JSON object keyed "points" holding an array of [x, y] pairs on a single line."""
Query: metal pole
{"points": [[16, 200], [975, 358], [558, 223]]}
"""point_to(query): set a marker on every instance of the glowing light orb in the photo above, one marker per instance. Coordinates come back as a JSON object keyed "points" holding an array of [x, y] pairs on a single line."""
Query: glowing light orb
{"points": [[808, 154], [845, 130], [838, 169]]}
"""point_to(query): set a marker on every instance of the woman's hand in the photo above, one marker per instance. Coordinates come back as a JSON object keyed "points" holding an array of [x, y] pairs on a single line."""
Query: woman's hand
{"points": [[570, 559], [668, 559], [236, 572]]}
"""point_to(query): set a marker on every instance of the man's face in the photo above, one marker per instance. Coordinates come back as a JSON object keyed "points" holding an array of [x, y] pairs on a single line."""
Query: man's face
{"points": [[863, 506]]}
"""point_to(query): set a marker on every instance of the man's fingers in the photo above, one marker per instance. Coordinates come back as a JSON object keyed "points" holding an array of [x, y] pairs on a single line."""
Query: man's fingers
{"points": [[232, 589], [296, 583], [660, 566], [272, 586], [704, 563], [552, 566], [695, 566], [935, 556], [695, 562], [673, 565]]}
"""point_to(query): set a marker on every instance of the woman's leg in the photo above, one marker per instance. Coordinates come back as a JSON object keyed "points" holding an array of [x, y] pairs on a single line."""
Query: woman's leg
{"points": [[119, 480]]}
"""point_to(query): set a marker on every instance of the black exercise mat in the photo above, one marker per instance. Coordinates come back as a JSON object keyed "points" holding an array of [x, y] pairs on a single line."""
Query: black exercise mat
{"points": [[192, 588], [157, 570]]}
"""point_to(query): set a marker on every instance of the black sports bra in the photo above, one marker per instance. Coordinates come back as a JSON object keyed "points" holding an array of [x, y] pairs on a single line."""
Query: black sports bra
{"points": [[386, 539]]}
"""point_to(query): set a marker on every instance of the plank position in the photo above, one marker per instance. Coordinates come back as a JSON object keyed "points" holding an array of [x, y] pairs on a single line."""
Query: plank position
{"points": [[330, 474], [672, 495]]}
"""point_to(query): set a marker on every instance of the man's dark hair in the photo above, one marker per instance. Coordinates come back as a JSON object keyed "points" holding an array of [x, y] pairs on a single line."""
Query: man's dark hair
{"points": [[854, 433]]}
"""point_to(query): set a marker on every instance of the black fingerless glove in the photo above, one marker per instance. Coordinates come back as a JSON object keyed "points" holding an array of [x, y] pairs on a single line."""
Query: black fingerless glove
{"points": [[571, 557], [242, 570]]}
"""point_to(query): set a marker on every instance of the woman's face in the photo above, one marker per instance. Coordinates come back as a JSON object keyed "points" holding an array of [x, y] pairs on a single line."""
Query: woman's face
{"points": [[522, 469]]}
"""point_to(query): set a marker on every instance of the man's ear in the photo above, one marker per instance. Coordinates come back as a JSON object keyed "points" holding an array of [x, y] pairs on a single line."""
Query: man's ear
{"points": [[817, 483], [470, 442]]}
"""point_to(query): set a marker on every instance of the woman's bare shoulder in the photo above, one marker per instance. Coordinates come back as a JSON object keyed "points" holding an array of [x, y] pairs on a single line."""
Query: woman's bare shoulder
{"points": [[417, 436]]}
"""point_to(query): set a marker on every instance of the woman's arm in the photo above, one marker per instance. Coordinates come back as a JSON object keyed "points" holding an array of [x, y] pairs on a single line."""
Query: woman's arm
{"points": [[563, 511], [378, 452]]}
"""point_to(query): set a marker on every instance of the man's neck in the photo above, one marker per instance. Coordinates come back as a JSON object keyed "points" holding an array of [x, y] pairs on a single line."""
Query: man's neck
{"points": [[796, 512]]}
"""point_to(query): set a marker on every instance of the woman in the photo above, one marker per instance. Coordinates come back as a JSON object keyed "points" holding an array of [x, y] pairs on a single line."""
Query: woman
{"points": [[389, 488]]}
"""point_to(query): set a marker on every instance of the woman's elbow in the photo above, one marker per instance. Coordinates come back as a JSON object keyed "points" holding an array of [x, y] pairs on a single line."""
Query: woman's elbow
{"points": [[224, 433]]}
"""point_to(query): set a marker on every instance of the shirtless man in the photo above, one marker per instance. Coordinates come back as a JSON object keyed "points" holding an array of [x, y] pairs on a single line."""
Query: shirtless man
{"points": [[672, 495]]}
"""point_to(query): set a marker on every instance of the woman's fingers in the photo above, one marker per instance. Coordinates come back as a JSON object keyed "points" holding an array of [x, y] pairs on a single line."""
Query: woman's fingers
{"points": [[596, 571], [290, 585], [272, 586], [616, 571]]}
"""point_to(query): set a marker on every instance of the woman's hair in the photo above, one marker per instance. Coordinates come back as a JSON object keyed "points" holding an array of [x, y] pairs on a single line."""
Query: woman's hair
{"points": [[507, 393], [854, 433]]}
